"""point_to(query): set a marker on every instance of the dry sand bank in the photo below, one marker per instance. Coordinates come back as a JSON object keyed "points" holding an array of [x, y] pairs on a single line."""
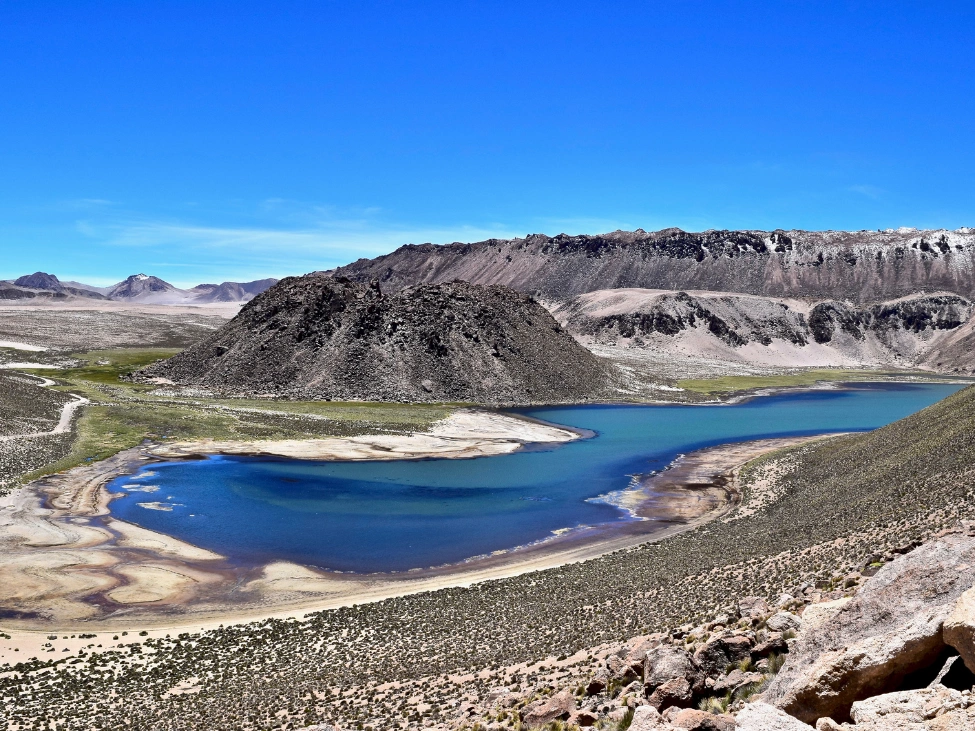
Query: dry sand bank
{"points": [[461, 435], [63, 562]]}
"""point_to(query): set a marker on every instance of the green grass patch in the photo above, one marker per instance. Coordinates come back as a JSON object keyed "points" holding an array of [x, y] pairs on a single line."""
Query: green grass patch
{"points": [[124, 415], [733, 384], [107, 366], [106, 430], [381, 412]]}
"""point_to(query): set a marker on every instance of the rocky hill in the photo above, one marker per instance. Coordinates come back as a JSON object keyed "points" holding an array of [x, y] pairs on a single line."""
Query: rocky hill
{"points": [[140, 286], [40, 283], [331, 338], [933, 330], [231, 291], [861, 266]]}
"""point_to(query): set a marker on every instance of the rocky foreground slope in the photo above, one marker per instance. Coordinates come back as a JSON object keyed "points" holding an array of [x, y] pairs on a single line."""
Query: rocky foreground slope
{"points": [[861, 266], [931, 330], [330, 338], [892, 652]]}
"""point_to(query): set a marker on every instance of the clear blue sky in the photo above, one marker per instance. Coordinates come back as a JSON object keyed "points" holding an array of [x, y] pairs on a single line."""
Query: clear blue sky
{"points": [[204, 141]]}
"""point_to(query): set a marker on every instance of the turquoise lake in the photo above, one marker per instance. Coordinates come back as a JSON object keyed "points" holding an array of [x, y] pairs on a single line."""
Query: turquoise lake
{"points": [[394, 516]]}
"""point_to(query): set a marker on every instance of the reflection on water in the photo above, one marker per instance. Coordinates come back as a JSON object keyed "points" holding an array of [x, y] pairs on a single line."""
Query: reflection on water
{"points": [[394, 516]]}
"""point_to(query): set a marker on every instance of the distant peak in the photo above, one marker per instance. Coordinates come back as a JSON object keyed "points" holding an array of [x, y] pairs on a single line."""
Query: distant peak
{"points": [[39, 280]]}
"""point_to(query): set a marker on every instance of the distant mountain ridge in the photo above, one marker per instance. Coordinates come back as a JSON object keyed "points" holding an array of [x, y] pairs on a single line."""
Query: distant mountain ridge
{"points": [[859, 266], [142, 288]]}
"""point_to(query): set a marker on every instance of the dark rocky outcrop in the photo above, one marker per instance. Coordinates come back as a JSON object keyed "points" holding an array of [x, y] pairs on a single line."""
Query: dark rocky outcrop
{"points": [[40, 284], [861, 266], [324, 338], [40, 280]]}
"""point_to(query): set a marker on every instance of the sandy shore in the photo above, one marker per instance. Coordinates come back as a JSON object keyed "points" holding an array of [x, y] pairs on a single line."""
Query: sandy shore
{"points": [[464, 434], [63, 561]]}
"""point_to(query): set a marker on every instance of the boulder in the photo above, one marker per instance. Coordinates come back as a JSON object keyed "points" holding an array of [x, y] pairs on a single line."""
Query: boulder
{"points": [[599, 682], [735, 680], [667, 662], [715, 655], [889, 630], [783, 622], [764, 717], [676, 692], [959, 720], [555, 708], [636, 654], [818, 614], [752, 607], [774, 645], [648, 718], [908, 706], [583, 718], [959, 629], [695, 720]]}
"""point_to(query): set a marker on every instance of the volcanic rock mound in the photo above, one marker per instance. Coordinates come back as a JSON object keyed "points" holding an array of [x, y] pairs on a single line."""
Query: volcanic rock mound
{"points": [[322, 338]]}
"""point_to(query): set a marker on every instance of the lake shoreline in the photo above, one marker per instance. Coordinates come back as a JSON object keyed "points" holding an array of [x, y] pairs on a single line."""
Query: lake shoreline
{"points": [[285, 587], [108, 575]]}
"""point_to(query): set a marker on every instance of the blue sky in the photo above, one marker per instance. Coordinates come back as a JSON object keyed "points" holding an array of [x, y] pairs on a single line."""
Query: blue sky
{"points": [[203, 141]]}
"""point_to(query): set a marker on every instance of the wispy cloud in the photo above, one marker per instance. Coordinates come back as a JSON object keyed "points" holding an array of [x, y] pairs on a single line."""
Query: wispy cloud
{"points": [[267, 250], [870, 191]]}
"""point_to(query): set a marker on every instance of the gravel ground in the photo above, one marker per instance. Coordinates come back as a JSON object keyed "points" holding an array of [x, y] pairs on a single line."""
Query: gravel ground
{"points": [[84, 330], [25, 407]]}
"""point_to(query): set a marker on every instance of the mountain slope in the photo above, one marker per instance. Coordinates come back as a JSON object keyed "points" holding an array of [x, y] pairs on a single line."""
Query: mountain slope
{"points": [[138, 288], [50, 285], [141, 286], [40, 280], [231, 291], [859, 266], [917, 330], [319, 337]]}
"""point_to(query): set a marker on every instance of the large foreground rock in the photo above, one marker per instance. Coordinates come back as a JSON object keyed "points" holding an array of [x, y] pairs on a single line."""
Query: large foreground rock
{"points": [[892, 628], [665, 663], [908, 706], [559, 706], [763, 717], [959, 629]]}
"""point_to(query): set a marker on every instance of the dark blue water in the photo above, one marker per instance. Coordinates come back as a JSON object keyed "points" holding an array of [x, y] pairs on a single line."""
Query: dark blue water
{"points": [[393, 516]]}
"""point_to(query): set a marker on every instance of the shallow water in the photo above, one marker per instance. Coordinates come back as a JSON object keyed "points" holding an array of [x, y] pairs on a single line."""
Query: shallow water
{"points": [[393, 516]]}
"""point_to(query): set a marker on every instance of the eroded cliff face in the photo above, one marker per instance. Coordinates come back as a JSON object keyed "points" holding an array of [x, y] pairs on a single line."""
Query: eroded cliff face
{"points": [[928, 330], [860, 266], [330, 338]]}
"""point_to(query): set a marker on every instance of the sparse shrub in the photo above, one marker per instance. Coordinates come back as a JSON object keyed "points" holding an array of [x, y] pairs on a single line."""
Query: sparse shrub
{"points": [[624, 723], [715, 704], [747, 691]]}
